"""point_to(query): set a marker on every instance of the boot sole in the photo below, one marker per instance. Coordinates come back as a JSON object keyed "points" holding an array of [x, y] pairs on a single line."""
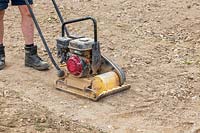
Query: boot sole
{"points": [[2, 67], [37, 68]]}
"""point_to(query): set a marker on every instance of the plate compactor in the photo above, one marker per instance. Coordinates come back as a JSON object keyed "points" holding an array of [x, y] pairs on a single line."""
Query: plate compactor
{"points": [[84, 70]]}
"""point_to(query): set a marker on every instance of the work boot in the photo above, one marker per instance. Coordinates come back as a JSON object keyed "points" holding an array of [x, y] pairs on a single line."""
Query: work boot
{"points": [[2, 57], [33, 60]]}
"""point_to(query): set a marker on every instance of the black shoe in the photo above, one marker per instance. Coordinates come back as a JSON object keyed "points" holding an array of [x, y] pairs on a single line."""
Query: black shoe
{"points": [[2, 57], [33, 60]]}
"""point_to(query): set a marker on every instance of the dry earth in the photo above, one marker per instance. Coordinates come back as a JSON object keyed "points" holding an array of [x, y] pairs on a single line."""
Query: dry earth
{"points": [[157, 42]]}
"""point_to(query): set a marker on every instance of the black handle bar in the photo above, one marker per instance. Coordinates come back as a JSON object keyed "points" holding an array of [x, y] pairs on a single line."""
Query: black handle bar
{"points": [[79, 20]]}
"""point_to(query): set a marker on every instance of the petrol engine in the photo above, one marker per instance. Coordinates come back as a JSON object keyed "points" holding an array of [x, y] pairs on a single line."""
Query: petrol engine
{"points": [[76, 54]]}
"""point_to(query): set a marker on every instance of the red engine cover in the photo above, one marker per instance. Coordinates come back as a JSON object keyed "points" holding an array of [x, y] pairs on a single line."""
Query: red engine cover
{"points": [[74, 65]]}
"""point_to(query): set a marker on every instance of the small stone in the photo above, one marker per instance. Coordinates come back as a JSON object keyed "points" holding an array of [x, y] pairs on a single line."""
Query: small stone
{"points": [[110, 126], [189, 6], [190, 77]]}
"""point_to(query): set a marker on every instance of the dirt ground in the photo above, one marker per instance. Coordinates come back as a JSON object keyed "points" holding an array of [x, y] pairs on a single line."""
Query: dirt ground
{"points": [[157, 42]]}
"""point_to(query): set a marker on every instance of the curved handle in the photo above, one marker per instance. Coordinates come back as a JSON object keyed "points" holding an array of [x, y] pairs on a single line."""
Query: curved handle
{"points": [[79, 20]]}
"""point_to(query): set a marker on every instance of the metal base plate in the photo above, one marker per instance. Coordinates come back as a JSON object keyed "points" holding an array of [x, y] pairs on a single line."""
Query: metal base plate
{"points": [[86, 92]]}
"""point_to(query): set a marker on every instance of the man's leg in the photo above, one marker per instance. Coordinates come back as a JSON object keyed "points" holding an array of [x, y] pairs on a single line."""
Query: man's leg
{"points": [[27, 25], [31, 57], [2, 12]]}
